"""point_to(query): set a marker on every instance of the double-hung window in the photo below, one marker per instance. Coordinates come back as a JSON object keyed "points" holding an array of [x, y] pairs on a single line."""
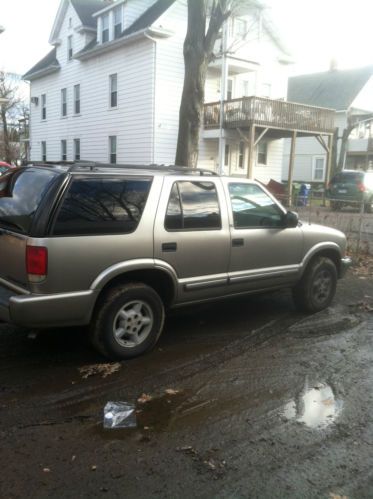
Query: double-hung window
{"points": [[318, 168], [117, 21], [64, 102], [113, 149], [262, 152], [43, 151], [44, 107], [76, 149], [63, 150], [76, 99], [105, 28], [113, 90], [69, 47]]}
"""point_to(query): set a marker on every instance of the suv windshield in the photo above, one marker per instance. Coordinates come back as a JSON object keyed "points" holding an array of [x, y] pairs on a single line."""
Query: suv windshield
{"points": [[21, 192]]}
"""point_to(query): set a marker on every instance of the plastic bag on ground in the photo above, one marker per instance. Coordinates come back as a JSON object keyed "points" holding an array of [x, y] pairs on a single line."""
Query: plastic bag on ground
{"points": [[119, 415]]}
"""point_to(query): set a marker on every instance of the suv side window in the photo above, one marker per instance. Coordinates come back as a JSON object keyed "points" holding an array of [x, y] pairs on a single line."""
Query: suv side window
{"points": [[102, 206], [193, 206], [252, 207]]}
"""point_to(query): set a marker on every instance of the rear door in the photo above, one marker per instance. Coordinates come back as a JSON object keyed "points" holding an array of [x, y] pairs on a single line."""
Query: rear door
{"points": [[21, 193], [192, 235]]}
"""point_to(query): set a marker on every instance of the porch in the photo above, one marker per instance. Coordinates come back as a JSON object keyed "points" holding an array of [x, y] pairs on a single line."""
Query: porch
{"points": [[258, 118]]}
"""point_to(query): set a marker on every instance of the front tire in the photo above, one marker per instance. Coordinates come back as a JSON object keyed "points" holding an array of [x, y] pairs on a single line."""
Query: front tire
{"points": [[128, 321], [316, 289]]}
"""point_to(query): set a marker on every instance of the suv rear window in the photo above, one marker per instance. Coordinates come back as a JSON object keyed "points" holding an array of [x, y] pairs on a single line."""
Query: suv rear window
{"points": [[21, 192], [347, 178], [98, 206]]}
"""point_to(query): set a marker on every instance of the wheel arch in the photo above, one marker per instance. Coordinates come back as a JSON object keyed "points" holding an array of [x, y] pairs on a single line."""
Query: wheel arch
{"points": [[329, 250], [158, 275]]}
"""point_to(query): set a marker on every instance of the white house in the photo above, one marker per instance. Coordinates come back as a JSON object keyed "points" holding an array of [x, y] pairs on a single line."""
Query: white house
{"points": [[110, 88], [350, 93]]}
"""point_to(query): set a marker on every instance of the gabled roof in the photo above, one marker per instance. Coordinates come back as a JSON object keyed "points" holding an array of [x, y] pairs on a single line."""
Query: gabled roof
{"points": [[85, 9], [335, 89], [148, 17], [47, 65], [140, 24]]}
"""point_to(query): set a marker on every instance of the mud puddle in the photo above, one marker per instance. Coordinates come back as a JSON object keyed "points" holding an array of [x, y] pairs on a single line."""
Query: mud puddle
{"points": [[316, 406]]}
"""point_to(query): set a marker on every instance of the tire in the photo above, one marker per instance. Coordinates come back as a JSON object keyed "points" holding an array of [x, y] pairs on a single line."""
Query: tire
{"points": [[127, 322], [316, 289]]}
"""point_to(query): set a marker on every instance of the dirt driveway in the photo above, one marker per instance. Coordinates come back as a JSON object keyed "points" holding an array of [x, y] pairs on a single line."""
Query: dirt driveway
{"points": [[243, 399]]}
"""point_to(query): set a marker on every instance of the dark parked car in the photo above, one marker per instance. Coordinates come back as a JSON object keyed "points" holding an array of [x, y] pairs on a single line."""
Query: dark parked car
{"points": [[351, 188], [4, 167]]}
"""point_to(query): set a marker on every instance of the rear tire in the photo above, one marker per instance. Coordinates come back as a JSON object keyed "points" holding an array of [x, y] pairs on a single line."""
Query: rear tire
{"points": [[316, 289], [127, 322]]}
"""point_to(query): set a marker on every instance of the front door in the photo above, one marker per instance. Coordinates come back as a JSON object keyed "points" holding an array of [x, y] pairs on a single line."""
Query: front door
{"points": [[265, 253]]}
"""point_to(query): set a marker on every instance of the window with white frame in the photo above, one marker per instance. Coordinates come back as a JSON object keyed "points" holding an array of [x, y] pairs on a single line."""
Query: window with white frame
{"points": [[262, 152], [64, 102], [318, 170], [43, 151], [76, 99], [44, 106], [76, 149], [105, 28], [117, 14], [63, 150], [69, 47], [113, 149], [113, 90]]}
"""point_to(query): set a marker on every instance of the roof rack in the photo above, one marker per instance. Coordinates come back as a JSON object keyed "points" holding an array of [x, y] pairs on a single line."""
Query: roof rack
{"points": [[93, 165]]}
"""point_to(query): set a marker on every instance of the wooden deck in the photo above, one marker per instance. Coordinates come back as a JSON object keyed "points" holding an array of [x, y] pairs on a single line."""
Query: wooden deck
{"points": [[262, 112]]}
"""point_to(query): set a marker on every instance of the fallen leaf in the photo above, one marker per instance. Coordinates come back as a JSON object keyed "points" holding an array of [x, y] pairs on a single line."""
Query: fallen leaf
{"points": [[144, 398], [171, 391], [103, 369]]}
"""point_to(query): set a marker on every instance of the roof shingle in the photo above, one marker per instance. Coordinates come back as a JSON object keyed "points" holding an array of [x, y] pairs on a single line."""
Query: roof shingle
{"points": [[335, 89], [49, 61]]}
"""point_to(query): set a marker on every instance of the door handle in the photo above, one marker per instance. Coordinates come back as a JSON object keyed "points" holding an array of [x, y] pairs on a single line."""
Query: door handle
{"points": [[237, 242], [169, 247]]}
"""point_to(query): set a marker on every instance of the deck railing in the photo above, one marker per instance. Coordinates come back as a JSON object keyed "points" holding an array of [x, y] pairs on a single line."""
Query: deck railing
{"points": [[269, 113]]}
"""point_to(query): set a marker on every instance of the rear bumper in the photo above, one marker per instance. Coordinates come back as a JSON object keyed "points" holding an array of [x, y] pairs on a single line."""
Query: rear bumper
{"points": [[63, 309], [346, 263]]}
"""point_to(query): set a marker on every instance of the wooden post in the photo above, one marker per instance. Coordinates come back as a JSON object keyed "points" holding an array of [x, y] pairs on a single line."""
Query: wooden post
{"points": [[291, 167], [329, 150], [250, 165]]}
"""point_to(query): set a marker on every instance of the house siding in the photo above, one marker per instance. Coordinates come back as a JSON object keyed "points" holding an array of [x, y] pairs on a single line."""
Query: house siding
{"points": [[131, 121], [169, 84]]}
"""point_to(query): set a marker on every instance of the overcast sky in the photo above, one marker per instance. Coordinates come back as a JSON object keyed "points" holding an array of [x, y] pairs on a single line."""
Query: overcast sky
{"points": [[314, 31]]}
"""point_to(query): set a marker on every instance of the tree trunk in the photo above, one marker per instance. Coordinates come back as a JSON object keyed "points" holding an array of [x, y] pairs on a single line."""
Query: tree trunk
{"points": [[7, 149], [198, 50], [191, 108], [342, 152]]}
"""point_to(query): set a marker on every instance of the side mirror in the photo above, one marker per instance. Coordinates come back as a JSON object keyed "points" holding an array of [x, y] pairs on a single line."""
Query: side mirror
{"points": [[291, 219]]}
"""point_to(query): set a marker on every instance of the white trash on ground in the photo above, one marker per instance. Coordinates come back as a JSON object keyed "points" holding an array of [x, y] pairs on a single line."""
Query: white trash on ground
{"points": [[119, 415]]}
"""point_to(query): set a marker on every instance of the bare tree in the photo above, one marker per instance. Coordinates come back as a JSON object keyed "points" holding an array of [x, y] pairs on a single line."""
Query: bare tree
{"points": [[10, 109], [198, 53]]}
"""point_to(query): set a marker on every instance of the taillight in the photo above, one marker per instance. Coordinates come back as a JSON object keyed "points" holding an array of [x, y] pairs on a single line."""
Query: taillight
{"points": [[36, 263], [361, 186]]}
